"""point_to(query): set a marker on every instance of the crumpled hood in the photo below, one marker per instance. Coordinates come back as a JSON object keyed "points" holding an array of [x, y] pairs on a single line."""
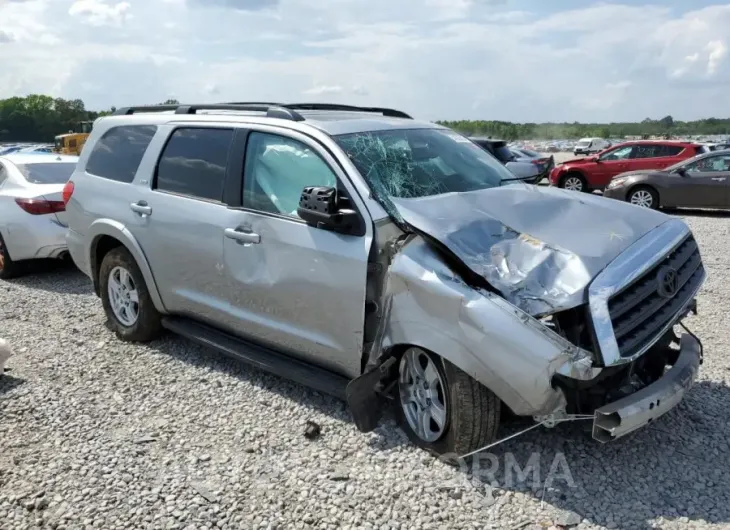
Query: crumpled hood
{"points": [[539, 246]]}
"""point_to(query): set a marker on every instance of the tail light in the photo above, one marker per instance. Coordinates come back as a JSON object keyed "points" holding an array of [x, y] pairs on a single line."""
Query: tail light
{"points": [[40, 206], [68, 190]]}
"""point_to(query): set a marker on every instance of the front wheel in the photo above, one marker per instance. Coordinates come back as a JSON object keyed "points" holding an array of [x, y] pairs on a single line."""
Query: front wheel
{"points": [[131, 313], [573, 182], [644, 197], [441, 408]]}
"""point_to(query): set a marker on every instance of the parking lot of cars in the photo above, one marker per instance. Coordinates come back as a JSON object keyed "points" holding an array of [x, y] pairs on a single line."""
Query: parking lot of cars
{"points": [[100, 433]]}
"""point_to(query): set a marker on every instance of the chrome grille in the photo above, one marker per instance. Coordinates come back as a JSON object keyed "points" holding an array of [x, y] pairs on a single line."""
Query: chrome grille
{"points": [[645, 307]]}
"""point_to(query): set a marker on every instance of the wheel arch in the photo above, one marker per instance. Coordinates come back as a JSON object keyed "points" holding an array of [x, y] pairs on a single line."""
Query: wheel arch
{"points": [[105, 235], [507, 398], [573, 172]]}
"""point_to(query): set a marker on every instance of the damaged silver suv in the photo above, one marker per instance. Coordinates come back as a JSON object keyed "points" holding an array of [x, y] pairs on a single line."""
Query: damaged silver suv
{"points": [[387, 261]]}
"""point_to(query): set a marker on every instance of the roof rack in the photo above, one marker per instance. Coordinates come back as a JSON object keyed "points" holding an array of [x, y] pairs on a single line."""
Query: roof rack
{"points": [[391, 113], [285, 111], [272, 110]]}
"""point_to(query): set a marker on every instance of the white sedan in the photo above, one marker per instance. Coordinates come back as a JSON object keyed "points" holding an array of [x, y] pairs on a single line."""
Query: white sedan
{"points": [[32, 211]]}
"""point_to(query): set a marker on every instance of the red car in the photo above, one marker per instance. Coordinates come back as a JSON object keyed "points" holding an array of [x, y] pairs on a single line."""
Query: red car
{"points": [[595, 172]]}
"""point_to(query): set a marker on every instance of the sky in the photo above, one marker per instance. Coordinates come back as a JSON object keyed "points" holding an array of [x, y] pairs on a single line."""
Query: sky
{"points": [[513, 60]]}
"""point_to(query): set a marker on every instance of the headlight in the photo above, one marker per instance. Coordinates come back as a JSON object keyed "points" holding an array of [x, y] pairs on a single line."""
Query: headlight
{"points": [[615, 183]]}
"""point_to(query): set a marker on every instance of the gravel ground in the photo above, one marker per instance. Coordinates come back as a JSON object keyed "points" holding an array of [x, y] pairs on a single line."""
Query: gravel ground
{"points": [[95, 433]]}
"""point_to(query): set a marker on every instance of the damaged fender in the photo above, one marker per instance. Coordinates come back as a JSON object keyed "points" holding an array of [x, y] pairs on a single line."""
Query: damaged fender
{"points": [[514, 355]]}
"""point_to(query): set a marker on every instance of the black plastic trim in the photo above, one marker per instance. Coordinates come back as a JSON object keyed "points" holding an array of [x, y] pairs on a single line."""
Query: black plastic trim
{"points": [[259, 356]]}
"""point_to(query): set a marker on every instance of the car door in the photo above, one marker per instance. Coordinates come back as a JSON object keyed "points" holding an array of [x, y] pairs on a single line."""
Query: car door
{"points": [[705, 184], [293, 286], [610, 164], [178, 218]]}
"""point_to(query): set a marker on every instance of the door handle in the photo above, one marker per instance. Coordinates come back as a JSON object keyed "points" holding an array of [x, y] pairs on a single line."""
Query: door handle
{"points": [[141, 208], [241, 236], [719, 179]]}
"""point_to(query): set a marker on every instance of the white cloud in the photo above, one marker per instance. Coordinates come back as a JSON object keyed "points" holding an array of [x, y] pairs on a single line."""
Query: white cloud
{"points": [[456, 59], [101, 13]]}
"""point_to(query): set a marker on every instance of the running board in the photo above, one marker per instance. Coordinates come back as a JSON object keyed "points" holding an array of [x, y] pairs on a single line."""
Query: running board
{"points": [[259, 357]]}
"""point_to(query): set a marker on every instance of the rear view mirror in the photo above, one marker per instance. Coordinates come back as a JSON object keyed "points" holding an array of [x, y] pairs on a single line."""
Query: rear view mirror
{"points": [[318, 206]]}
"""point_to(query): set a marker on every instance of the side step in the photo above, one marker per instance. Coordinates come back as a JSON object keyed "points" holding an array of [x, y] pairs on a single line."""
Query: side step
{"points": [[259, 356]]}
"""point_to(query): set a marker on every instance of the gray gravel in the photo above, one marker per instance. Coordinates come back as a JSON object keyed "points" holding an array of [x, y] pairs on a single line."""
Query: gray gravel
{"points": [[95, 433]]}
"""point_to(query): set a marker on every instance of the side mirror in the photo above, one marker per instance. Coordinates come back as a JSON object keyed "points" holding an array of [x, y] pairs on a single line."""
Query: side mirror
{"points": [[596, 159], [681, 172], [318, 207]]}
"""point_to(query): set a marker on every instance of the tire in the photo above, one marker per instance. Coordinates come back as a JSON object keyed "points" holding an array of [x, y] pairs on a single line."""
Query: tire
{"points": [[574, 179], [471, 411], [643, 196], [9, 268], [118, 268]]}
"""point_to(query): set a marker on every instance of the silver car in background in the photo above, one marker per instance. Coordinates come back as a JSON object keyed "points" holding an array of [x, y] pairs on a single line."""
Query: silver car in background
{"points": [[32, 212], [523, 170]]}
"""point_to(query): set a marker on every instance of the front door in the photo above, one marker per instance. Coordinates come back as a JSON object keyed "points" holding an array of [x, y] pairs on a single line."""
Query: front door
{"points": [[292, 286], [610, 164], [705, 184]]}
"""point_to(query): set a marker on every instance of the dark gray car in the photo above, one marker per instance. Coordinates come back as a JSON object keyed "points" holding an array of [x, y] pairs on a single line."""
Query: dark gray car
{"points": [[699, 182]]}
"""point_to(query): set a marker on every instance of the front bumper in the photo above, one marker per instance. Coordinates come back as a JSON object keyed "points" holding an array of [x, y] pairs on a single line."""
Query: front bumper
{"points": [[618, 193], [633, 412]]}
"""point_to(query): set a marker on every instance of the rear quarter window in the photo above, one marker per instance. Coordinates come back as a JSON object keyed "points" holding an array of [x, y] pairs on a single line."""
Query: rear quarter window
{"points": [[118, 153]]}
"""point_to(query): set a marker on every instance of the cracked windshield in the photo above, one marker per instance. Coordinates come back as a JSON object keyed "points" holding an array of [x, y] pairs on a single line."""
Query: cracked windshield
{"points": [[420, 162]]}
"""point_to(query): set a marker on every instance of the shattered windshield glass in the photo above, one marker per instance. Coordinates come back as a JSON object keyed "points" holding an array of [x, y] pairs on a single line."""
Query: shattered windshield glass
{"points": [[412, 163]]}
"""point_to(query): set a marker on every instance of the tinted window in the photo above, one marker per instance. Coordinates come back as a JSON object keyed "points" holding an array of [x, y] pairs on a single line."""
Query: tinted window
{"points": [[117, 154], [47, 173], [650, 151], [503, 154], [277, 169], [194, 162], [672, 150]]}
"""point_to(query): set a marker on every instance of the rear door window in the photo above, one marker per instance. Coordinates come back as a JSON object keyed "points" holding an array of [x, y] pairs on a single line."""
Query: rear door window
{"points": [[648, 151], [117, 154], [194, 163], [672, 150]]}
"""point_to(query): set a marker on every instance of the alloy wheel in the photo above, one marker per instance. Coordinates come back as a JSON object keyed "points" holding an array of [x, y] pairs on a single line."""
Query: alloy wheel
{"points": [[123, 296], [573, 184], [422, 395], [642, 198]]}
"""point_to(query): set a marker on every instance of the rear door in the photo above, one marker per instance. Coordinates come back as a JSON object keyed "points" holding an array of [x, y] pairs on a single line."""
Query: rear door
{"points": [[290, 285], [706, 184], [178, 218]]}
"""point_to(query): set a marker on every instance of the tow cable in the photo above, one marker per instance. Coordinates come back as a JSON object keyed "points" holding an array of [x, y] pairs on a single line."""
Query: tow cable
{"points": [[549, 421]]}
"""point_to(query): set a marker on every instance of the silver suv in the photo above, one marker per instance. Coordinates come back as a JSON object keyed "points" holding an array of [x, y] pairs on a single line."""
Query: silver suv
{"points": [[387, 261]]}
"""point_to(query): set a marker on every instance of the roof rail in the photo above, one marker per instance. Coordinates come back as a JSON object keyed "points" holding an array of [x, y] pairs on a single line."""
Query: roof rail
{"points": [[272, 110], [285, 111], [391, 113]]}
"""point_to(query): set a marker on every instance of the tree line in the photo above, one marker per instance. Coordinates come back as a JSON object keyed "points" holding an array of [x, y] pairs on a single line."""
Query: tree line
{"points": [[39, 118]]}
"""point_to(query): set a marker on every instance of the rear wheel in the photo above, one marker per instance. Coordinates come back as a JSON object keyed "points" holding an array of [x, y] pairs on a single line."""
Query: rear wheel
{"points": [[644, 197], [131, 313], [441, 408], [574, 182], [8, 268]]}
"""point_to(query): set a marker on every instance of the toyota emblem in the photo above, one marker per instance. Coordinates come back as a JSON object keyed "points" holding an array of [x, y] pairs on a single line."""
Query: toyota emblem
{"points": [[667, 282]]}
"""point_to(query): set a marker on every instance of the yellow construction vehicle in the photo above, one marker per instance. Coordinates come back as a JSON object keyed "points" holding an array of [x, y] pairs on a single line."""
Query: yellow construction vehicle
{"points": [[72, 142]]}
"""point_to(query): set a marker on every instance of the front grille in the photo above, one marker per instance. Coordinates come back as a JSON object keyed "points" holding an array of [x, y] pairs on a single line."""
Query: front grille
{"points": [[642, 310]]}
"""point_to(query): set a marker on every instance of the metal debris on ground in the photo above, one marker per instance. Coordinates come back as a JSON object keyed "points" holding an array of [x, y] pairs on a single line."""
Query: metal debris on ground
{"points": [[312, 430]]}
